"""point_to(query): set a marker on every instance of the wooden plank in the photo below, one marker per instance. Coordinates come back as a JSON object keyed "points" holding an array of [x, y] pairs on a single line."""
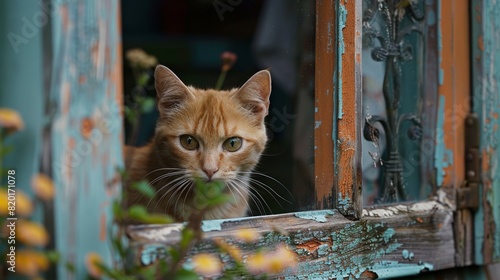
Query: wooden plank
{"points": [[486, 101], [86, 131], [324, 130], [349, 114], [338, 115], [399, 240], [453, 108]]}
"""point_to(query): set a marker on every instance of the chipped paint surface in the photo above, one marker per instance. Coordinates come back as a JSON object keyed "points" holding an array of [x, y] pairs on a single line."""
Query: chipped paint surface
{"points": [[390, 211], [212, 225], [443, 157], [372, 241], [163, 233], [336, 247], [342, 18], [86, 132], [318, 216], [486, 99]]}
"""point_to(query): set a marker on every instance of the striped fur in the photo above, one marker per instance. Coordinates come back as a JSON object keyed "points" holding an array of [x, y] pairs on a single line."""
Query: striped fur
{"points": [[211, 117]]}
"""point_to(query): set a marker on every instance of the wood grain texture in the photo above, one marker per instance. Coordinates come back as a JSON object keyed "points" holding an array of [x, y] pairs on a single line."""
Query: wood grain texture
{"points": [[399, 240], [86, 132], [454, 91], [349, 115], [485, 20], [325, 131], [338, 107]]}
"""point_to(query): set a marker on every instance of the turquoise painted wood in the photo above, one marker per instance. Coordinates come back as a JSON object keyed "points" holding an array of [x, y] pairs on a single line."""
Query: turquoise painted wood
{"points": [[16, 89], [486, 101], [86, 129]]}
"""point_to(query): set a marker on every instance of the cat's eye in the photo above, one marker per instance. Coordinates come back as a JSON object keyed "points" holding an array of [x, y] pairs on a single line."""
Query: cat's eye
{"points": [[232, 144], [189, 142]]}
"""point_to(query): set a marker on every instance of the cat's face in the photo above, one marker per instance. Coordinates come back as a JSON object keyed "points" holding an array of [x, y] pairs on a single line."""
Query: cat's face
{"points": [[209, 134]]}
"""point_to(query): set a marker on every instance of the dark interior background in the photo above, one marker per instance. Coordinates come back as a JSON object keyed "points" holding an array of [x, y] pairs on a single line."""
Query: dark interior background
{"points": [[189, 38]]}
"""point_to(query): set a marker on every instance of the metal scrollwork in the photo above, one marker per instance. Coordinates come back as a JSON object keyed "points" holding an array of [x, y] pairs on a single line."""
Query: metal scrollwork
{"points": [[387, 43]]}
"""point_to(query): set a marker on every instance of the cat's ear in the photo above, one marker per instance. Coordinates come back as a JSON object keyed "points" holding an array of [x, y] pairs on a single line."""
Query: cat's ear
{"points": [[254, 94], [171, 92]]}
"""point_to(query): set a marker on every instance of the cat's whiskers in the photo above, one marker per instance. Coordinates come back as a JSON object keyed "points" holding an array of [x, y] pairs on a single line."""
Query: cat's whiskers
{"points": [[177, 181], [257, 201], [178, 187], [162, 169], [186, 186], [166, 175], [256, 197], [237, 187], [160, 189], [268, 189]]}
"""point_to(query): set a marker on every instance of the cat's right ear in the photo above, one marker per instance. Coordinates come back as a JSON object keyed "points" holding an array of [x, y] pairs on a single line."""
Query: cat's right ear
{"points": [[171, 92]]}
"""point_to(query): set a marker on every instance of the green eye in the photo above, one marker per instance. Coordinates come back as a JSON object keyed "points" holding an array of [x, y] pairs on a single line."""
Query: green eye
{"points": [[232, 144], [189, 142]]}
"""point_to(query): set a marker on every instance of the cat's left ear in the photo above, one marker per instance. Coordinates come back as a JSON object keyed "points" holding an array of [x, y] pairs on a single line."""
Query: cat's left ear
{"points": [[254, 94]]}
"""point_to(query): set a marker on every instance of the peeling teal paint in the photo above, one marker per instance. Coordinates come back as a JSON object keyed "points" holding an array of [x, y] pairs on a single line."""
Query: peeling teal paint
{"points": [[485, 20], [211, 225], [317, 124], [392, 269], [318, 216], [86, 129], [440, 44], [407, 255], [344, 203], [342, 18], [443, 157], [374, 241], [431, 17]]}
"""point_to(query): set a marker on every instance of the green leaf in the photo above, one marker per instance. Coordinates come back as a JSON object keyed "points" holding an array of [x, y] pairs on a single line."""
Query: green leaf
{"points": [[187, 236], [138, 212], [148, 105], [158, 219], [143, 79], [5, 150], [117, 210], [184, 274], [144, 188], [53, 256], [218, 200]]}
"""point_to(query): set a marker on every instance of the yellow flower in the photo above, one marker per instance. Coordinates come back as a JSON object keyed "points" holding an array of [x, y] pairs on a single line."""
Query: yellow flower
{"points": [[207, 265], [31, 233], [24, 207], [231, 250], [30, 263], [11, 120], [257, 263], [247, 235], [93, 261], [43, 186], [281, 259], [140, 59], [271, 262]]}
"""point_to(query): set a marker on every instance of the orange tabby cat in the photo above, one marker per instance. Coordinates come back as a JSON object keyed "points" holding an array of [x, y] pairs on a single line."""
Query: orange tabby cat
{"points": [[201, 134]]}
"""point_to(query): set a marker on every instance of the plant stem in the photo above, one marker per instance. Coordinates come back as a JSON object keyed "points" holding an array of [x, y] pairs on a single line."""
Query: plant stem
{"points": [[220, 80]]}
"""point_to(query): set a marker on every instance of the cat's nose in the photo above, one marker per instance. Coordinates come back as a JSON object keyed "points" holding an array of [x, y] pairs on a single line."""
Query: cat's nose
{"points": [[210, 172]]}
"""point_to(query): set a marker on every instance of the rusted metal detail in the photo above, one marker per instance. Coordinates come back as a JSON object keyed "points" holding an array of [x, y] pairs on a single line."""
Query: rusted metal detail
{"points": [[468, 197]]}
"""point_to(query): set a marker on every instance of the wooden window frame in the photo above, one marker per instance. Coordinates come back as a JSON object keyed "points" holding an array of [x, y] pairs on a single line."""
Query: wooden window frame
{"points": [[342, 239], [79, 92]]}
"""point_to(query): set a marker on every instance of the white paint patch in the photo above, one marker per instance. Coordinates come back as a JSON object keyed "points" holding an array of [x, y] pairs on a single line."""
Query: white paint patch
{"points": [[161, 234], [389, 211]]}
